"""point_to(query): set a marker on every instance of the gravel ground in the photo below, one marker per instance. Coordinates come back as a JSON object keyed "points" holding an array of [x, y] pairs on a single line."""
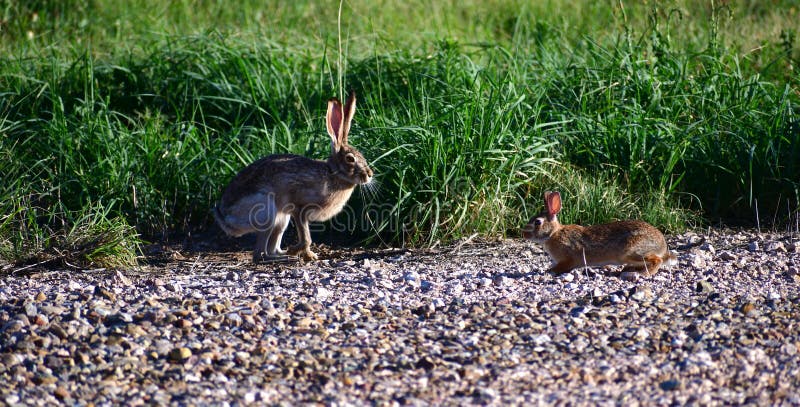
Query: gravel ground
{"points": [[475, 323]]}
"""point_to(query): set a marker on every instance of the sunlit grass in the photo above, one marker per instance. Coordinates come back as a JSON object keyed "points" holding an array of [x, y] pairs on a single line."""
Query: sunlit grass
{"points": [[116, 121]]}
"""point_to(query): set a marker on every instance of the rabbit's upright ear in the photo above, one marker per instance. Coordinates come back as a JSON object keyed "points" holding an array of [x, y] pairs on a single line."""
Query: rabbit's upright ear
{"points": [[349, 111], [334, 123], [552, 200]]}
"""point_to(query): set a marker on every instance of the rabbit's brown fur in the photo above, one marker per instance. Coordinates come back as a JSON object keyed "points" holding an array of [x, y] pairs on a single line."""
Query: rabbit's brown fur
{"points": [[636, 244], [267, 193]]}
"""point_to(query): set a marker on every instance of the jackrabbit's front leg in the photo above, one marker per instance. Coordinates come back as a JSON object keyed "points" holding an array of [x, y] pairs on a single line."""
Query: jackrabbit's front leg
{"points": [[303, 247]]}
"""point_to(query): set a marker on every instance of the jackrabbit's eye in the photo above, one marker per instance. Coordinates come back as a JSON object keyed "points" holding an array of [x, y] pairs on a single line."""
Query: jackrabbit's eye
{"points": [[538, 221], [350, 158]]}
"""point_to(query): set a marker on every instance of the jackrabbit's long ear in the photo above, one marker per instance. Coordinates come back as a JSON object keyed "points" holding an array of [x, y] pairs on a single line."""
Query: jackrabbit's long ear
{"points": [[334, 123], [552, 200], [349, 111]]}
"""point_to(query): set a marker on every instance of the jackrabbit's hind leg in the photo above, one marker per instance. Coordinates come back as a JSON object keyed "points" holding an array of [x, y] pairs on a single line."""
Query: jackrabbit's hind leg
{"points": [[261, 246], [262, 220], [276, 235]]}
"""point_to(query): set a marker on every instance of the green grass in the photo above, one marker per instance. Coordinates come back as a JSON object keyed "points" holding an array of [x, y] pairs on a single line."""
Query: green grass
{"points": [[115, 121]]}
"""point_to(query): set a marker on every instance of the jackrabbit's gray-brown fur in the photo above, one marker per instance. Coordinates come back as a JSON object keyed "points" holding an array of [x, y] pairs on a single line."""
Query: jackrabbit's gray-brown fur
{"points": [[267, 193], [636, 244]]}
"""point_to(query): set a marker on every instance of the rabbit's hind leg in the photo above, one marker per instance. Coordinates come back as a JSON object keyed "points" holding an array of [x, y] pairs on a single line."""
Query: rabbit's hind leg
{"points": [[261, 246], [263, 218], [645, 266], [652, 262], [276, 235]]}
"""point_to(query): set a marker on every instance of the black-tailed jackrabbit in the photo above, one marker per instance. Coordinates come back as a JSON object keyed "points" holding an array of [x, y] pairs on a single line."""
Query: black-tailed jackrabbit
{"points": [[636, 244], [267, 193]]}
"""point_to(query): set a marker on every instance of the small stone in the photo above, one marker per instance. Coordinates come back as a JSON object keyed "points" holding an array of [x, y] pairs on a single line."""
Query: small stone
{"points": [[412, 279], [630, 276], [641, 334], [122, 278], [704, 286], [597, 293], [697, 260], [31, 310], [567, 277], [747, 308], [775, 247], [438, 303], [61, 393], [411, 276], [456, 289], [541, 339], [40, 297], [753, 246], [173, 286], [424, 310], [500, 281], [303, 323], [81, 358], [14, 325], [641, 293], [11, 359], [233, 319], [472, 374], [577, 312], [426, 363], [426, 285], [323, 293], [44, 379], [789, 349], [669, 385], [105, 293], [727, 256], [485, 282], [488, 393], [183, 323], [179, 354]]}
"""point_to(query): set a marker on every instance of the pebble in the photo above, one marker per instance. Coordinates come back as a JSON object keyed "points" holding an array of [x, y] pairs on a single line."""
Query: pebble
{"points": [[669, 385], [775, 247], [704, 286], [179, 354]]}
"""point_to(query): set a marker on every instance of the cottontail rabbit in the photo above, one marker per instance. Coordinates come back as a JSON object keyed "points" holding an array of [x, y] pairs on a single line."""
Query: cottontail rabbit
{"points": [[636, 244], [263, 196]]}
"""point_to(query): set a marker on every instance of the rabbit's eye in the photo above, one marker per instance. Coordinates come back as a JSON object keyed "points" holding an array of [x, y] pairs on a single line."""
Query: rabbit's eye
{"points": [[538, 221], [350, 158]]}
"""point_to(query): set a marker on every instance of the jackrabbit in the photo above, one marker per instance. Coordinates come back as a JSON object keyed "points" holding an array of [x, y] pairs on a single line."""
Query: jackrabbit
{"points": [[263, 196], [636, 244]]}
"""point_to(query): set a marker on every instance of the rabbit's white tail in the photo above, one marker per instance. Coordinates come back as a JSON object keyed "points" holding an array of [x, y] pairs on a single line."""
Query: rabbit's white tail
{"points": [[670, 259]]}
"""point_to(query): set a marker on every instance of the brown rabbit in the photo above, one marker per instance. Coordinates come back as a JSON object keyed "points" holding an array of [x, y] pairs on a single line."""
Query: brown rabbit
{"points": [[263, 196], [636, 244]]}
